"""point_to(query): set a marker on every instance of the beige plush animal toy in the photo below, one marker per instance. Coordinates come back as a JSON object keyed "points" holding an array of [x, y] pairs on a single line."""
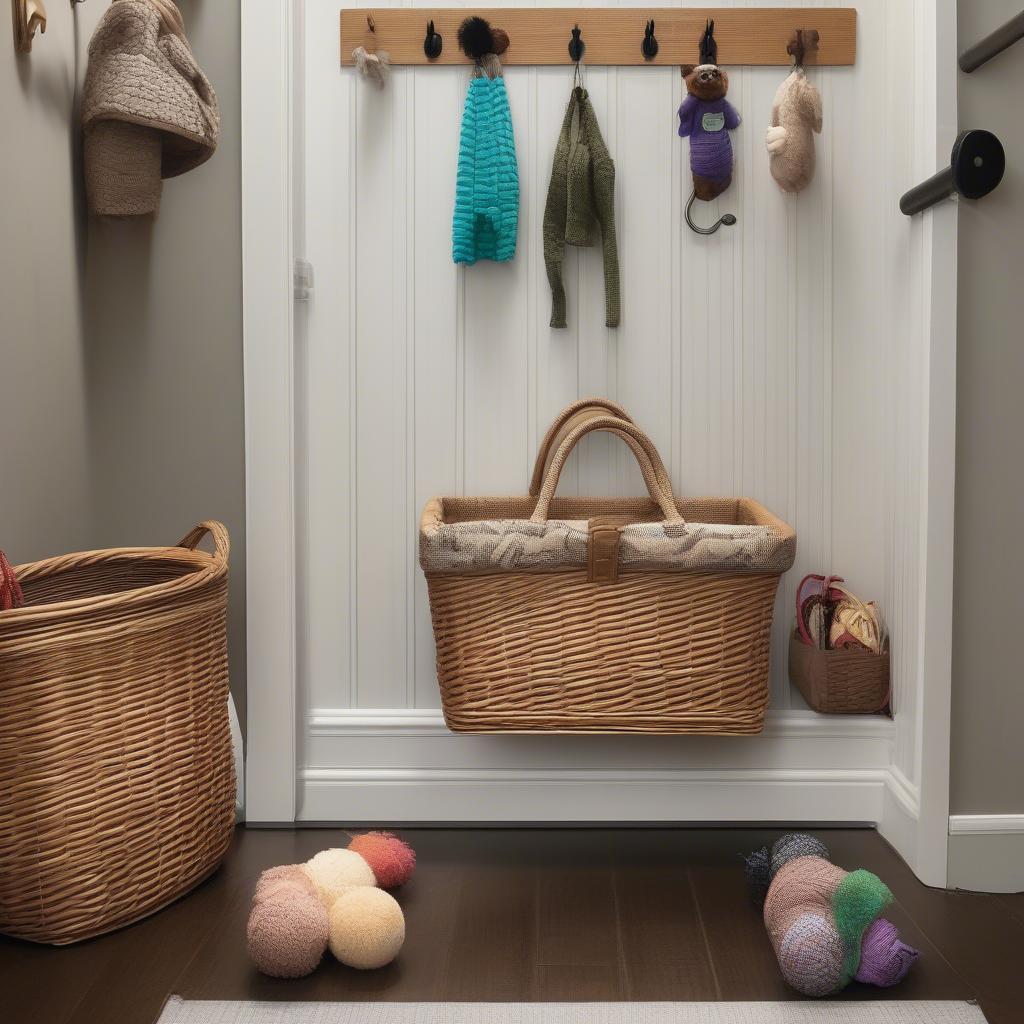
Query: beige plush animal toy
{"points": [[796, 113]]}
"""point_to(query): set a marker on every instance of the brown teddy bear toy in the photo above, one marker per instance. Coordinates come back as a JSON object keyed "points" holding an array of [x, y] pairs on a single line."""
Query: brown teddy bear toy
{"points": [[706, 118]]}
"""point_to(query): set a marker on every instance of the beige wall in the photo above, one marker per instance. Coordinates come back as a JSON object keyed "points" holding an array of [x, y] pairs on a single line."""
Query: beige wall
{"points": [[45, 478], [122, 349], [988, 659]]}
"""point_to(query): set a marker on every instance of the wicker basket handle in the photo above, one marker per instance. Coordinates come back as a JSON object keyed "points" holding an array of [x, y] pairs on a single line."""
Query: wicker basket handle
{"points": [[218, 531], [571, 416], [639, 443]]}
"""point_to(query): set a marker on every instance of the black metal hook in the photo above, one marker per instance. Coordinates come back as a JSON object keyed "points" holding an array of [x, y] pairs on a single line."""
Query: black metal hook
{"points": [[803, 43], [576, 45], [708, 46], [727, 219], [796, 48], [432, 43], [649, 47]]}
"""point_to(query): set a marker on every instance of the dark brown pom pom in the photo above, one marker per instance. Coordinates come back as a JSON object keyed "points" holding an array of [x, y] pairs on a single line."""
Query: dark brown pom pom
{"points": [[475, 38], [501, 40]]}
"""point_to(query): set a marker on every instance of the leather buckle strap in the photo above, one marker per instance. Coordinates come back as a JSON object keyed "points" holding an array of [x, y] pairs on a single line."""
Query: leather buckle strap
{"points": [[603, 550]]}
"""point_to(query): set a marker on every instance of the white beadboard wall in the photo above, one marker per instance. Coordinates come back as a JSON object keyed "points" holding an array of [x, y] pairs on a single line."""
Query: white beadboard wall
{"points": [[779, 359]]}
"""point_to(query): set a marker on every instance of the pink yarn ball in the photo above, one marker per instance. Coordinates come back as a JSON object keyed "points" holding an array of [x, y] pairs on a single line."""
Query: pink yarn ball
{"points": [[391, 860], [285, 878], [287, 934]]}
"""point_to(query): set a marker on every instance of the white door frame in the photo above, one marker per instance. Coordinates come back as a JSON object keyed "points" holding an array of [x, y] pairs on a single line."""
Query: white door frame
{"points": [[268, 333], [915, 819]]}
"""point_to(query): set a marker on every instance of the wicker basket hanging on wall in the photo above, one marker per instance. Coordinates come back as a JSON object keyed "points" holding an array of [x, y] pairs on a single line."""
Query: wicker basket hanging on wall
{"points": [[117, 786], [602, 614]]}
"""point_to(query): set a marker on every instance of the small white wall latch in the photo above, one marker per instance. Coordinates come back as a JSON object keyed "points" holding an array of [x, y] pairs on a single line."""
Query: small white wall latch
{"points": [[303, 280]]}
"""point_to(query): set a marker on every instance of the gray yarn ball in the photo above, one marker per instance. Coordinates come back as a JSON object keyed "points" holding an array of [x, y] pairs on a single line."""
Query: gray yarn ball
{"points": [[796, 844]]}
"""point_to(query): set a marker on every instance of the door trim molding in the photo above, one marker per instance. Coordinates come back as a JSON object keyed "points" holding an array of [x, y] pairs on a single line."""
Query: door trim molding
{"points": [[268, 339]]}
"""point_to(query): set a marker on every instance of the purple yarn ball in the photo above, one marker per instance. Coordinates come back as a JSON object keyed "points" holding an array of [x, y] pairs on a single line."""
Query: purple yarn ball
{"points": [[884, 958]]}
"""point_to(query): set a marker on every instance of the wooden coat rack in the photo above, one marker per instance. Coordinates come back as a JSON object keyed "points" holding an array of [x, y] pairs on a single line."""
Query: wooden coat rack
{"points": [[611, 35]]}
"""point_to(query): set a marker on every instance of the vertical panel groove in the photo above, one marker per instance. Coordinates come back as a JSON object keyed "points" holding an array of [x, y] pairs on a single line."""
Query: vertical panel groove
{"points": [[411, 517], [353, 406]]}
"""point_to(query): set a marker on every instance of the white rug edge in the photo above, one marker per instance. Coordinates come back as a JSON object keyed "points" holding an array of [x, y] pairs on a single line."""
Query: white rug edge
{"points": [[178, 1010]]}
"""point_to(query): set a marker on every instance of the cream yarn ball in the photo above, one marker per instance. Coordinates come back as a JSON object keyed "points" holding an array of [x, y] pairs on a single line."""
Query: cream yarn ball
{"points": [[366, 928], [333, 872]]}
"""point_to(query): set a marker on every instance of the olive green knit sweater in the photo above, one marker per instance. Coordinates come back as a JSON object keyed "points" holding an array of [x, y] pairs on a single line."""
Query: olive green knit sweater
{"points": [[581, 199]]}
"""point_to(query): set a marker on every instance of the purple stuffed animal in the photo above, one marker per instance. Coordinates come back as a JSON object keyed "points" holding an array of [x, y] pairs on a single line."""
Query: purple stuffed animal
{"points": [[706, 118]]}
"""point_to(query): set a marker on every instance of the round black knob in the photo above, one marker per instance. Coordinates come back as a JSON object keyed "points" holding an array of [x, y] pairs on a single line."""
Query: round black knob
{"points": [[978, 162]]}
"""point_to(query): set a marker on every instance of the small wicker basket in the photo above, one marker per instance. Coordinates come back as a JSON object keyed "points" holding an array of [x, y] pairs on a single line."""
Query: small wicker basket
{"points": [[117, 788], [839, 682], [585, 633]]}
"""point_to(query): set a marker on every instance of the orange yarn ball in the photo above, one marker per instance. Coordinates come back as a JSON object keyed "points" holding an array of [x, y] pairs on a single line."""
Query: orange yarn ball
{"points": [[391, 860]]}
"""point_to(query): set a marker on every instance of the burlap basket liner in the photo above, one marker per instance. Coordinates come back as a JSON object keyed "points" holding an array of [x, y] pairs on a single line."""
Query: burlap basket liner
{"points": [[533, 634]]}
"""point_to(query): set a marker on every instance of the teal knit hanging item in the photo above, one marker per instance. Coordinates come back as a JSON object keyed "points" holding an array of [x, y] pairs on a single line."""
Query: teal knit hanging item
{"points": [[487, 186]]}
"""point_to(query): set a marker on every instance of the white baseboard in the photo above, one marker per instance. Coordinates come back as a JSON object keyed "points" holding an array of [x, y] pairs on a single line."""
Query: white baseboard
{"points": [[986, 852], [404, 765], [418, 739], [986, 824], [516, 795]]}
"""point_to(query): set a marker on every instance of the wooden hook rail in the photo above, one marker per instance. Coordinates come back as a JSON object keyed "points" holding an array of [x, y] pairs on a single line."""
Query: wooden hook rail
{"points": [[611, 35]]}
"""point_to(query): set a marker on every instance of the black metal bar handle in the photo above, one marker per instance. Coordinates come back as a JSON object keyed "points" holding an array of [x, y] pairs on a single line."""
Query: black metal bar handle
{"points": [[994, 43], [976, 166]]}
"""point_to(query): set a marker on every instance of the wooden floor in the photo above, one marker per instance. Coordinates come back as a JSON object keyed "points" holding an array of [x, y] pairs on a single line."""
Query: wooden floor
{"points": [[515, 915]]}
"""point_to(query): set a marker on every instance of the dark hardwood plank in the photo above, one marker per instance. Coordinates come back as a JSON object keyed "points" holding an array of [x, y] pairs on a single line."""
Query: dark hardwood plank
{"points": [[1014, 902], [145, 960], [742, 957], [492, 956], [663, 942], [577, 922], [578, 984], [45, 983]]}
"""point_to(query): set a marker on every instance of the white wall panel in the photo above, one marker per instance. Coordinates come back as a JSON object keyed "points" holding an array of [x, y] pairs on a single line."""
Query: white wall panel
{"points": [[775, 359]]}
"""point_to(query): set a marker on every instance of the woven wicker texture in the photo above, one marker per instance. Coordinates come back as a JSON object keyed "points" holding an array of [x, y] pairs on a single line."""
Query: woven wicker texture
{"points": [[842, 681], [116, 765], [652, 651], [655, 652]]}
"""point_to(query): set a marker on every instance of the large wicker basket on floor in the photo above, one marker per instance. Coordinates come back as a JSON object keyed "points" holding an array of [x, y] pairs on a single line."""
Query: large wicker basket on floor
{"points": [[117, 788], [545, 619]]}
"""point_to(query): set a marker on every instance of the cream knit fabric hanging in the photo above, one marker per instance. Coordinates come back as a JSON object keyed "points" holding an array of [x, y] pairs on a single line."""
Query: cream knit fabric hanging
{"points": [[148, 111]]}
